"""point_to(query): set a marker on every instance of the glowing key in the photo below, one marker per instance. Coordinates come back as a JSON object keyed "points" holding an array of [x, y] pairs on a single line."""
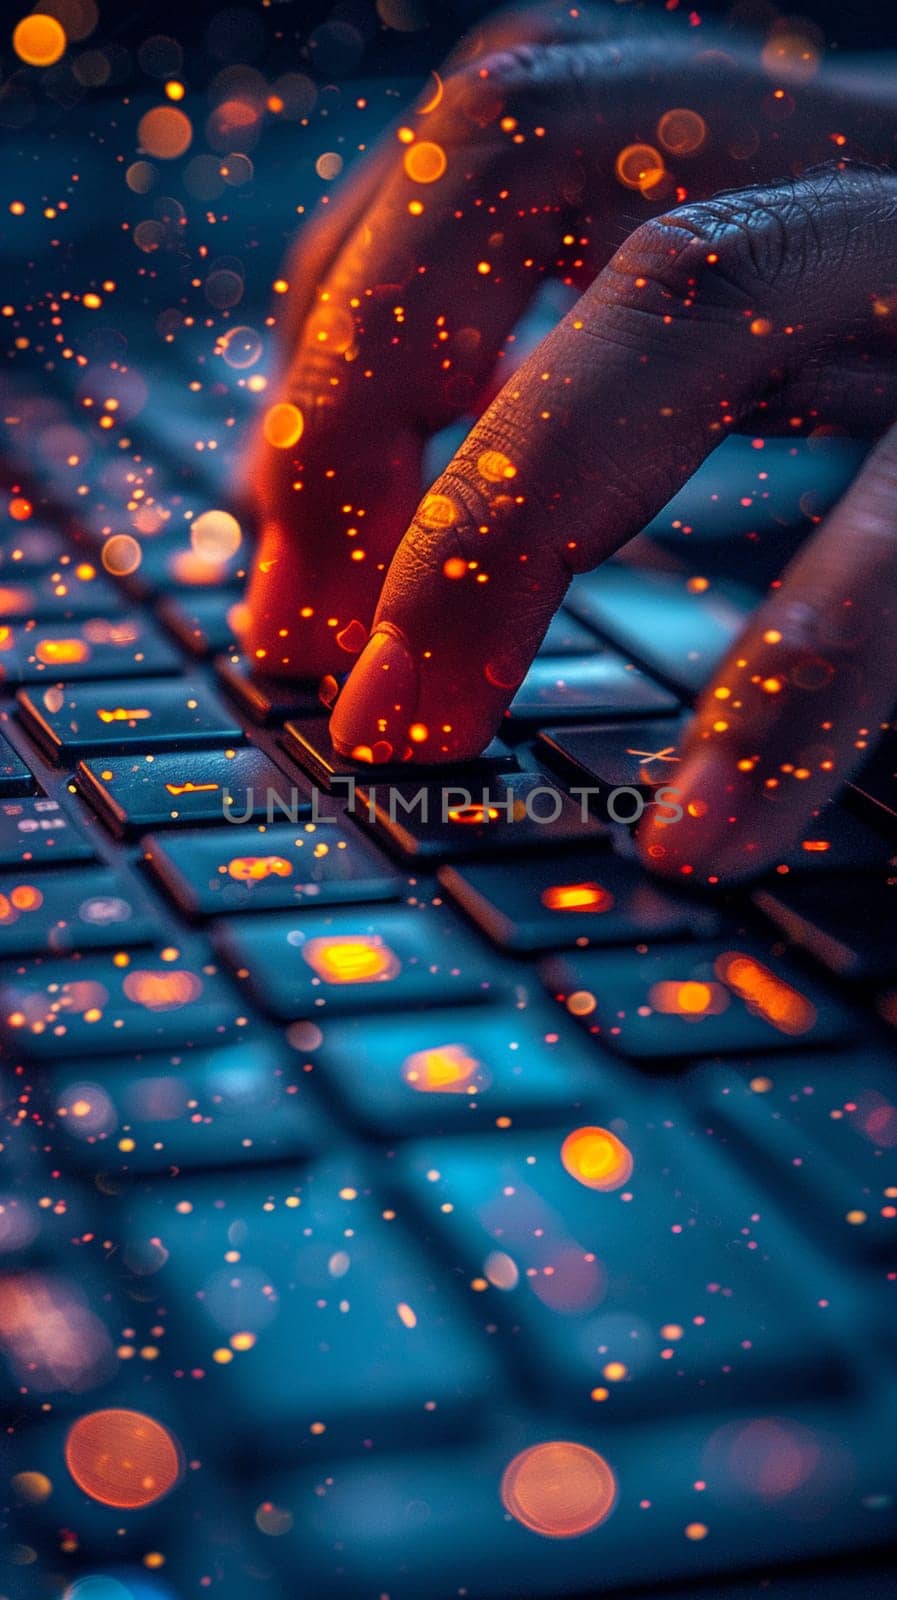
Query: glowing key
{"points": [[252, 869], [596, 1158], [448, 1069], [363, 959], [577, 897], [122, 1458], [62, 652], [559, 1489]]}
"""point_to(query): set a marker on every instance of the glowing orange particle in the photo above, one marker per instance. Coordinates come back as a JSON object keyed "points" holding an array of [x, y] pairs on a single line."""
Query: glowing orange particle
{"points": [[559, 1489], [577, 897], [20, 509], [596, 1158], [165, 132], [62, 652], [437, 511], [768, 996], [494, 466], [425, 162], [121, 554], [253, 869], [365, 959], [449, 1069], [39, 40], [284, 425], [639, 166], [122, 1458]]}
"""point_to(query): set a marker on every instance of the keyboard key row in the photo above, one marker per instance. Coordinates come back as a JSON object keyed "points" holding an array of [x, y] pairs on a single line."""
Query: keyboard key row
{"points": [[127, 646]]}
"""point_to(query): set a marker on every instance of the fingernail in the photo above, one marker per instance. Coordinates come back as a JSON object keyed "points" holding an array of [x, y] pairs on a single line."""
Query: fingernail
{"points": [[376, 708], [712, 794]]}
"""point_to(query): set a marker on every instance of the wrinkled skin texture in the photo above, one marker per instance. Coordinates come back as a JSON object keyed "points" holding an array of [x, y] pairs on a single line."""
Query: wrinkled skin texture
{"points": [[768, 295]]}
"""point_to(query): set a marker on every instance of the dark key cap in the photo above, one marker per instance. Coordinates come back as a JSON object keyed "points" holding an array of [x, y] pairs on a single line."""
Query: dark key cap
{"points": [[601, 685], [470, 1067], [307, 740], [555, 902], [690, 1000], [330, 1314], [266, 868], [639, 755], [196, 1108], [200, 621], [135, 793], [845, 923], [474, 817], [267, 700], [108, 717], [567, 637], [417, 1523], [129, 646], [824, 1129], [87, 908], [609, 1242], [836, 841], [100, 1004], [14, 775], [38, 832], [355, 960], [672, 627]]}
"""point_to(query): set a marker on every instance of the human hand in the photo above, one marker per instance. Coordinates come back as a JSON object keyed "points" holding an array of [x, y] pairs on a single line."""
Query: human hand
{"points": [[743, 312]]}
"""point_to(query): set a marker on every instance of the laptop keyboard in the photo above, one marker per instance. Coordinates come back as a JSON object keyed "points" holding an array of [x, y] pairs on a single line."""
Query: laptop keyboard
{"points": [[401, 1162]]}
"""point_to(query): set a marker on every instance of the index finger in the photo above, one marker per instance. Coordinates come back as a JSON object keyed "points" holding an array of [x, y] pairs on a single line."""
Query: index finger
{"points": [[695, 320]]}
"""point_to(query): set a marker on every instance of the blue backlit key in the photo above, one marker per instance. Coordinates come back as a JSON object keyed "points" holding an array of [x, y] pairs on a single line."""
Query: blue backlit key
{"points": [[36, 832], [71, 722], [318, 963], [557, 901], [625, 1267], [451, 1069], [71, 909], [823, 1129], [206, 1107], [599, 685], [143, 1000], [691, 1000], [134, 793], [128, 646], [334, 1322], [261, 868]]}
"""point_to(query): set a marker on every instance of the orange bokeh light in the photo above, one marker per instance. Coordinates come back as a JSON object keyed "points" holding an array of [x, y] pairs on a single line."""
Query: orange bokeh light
{"points": [[448, 1069], [122, 1458], [425, 162], [249, 869], [639, 166], [39, 40], [364, 959], [682, 132], [283, 426], [62, 652], [596, 1158], [766, 995], [559, 1489], [165, 132]]}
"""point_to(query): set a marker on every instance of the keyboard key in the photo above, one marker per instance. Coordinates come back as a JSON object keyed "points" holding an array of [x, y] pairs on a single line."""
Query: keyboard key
{"points": [[567, 637], [307, 740], [34, 832], [152, 716], [128, 646], [506, 812], [103, 1003], [836, 841], [135, 793], [267, 700], [331, 1316], [638, 755], [556, 902], [845, 925], [195, 1108], [352, 960], [69, 591], [201, 622], [693, 1000], [86, 908], [823, 1128], [676, 630], [15, 777], [446, 1070], [611, 1242], [265, 868], [433, 1523], [600, 685]]}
